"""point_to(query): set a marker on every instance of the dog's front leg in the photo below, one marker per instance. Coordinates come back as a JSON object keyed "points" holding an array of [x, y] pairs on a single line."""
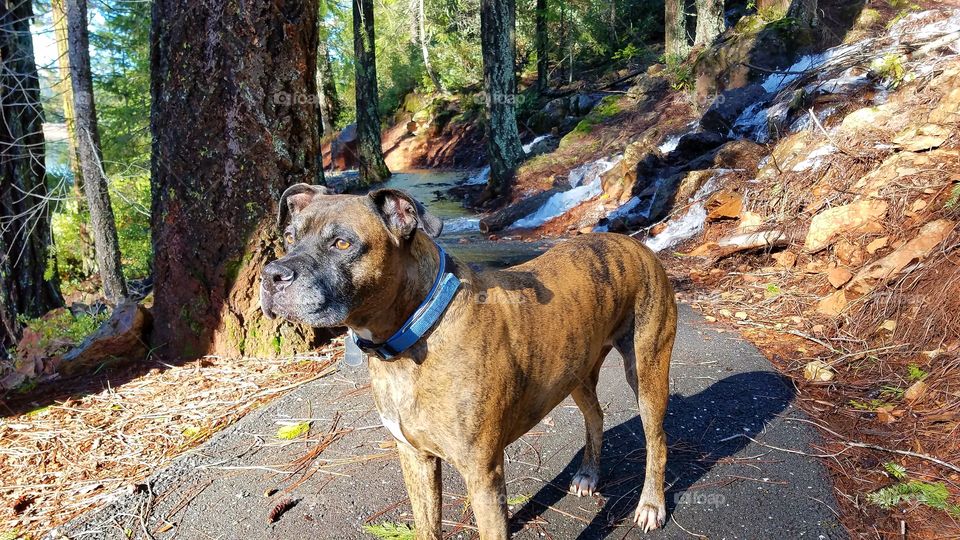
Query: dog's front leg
{"points": [[421, 474], [488, 497]]}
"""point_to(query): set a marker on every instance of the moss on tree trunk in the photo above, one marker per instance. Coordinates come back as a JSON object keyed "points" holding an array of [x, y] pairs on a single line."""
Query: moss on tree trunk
{"points": [[234, 122]]}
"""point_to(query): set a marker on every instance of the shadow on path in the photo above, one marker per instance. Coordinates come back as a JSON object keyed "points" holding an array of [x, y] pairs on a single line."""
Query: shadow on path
{"points": [[698, 433]]}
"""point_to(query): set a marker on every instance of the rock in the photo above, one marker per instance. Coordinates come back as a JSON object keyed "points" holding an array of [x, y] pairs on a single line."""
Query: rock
{"points": [[832, 304], [917, 249], [889, 326], [503, 218], [581, 104], [640, 158], [858, 217], [723, 112], [123, 336], [12, 380], [343, 149], [690, 182], [903, 164], [738, 154], [412, 126], [818, 371], [925, 137], [869, 118], [916, 391], [849, 253], [749, 221], [877, 244], [724, 205], [786, 259], [838, 277], [693, 145], [648, 87]]}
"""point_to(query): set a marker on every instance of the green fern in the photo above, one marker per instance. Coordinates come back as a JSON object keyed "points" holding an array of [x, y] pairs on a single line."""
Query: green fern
{"points": [[932, 494]]}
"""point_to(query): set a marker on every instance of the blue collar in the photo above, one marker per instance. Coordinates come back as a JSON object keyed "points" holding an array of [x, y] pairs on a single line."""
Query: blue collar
{"points": [[441, 294]]}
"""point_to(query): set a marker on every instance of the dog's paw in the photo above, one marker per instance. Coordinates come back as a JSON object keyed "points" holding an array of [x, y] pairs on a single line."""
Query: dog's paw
{"points": [[584, 483], [650, 517]]}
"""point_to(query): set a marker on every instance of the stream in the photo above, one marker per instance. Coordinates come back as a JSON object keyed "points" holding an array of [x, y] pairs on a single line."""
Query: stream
{"points": [[461, 233]]}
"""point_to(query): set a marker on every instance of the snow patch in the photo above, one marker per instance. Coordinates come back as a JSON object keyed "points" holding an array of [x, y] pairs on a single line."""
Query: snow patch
{"points": [[587, 186], [482, 176], [529, 146], [461, 225], [680, 229], [670, 144], [814, 160]]}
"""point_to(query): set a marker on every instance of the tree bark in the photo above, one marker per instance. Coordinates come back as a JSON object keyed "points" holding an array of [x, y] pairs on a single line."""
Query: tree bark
{"points": [[369, 147], [676, 46], [541, 42], [497, 42], [234, 123], [102, 224], [805, 12], [710, 23], [329, 104], [88, 253], [28, 280]]}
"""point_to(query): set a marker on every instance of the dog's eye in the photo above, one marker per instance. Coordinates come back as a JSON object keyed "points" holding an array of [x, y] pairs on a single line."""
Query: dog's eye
{"points": [[288, 237], [342, 244]]}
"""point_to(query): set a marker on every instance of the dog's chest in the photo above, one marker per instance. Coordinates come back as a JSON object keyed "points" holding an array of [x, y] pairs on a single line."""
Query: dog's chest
{"points": [[392, 391]]}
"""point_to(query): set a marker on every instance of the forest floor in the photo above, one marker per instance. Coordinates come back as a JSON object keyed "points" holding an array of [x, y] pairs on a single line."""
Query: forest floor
{"points": [[73, 444]]}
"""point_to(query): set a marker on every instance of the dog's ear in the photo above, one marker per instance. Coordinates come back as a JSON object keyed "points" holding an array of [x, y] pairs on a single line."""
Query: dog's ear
{"points": [[403, 214], [296, 198]]}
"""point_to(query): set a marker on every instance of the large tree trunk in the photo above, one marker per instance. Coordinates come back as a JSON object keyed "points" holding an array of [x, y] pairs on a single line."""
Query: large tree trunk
{"points": [[26, 288], [329, 104], [234, 123], [541, 42], [710, 23], [497, 33], [91, 160], [677, 46], [372, 167], [422, 33], [63, 86]]}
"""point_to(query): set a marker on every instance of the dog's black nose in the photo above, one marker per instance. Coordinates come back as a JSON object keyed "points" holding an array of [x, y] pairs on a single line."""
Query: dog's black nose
{"points": [[277, 275]]}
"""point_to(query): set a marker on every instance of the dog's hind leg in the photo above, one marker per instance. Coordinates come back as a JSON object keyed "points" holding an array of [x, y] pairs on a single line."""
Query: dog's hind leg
{"points": [[646, 361], [421, 474], [585, 395]]}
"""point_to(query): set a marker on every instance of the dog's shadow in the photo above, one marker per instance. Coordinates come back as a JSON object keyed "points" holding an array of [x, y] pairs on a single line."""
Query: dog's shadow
{"points": [[699, 429]]}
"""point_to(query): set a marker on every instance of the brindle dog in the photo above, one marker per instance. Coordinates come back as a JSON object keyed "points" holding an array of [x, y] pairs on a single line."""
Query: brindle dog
{"points": [[511, 345]]}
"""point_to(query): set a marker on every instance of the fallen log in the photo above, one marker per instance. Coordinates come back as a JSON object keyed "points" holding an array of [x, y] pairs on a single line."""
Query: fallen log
{"points": [[502, 219]]}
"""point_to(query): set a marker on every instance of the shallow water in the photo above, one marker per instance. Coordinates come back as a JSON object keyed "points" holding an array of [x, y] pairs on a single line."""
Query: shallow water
{"points": [[461, 233]]}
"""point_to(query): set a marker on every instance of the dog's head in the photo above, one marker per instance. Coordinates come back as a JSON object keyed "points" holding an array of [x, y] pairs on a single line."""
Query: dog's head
{"points": [[345, 254]]}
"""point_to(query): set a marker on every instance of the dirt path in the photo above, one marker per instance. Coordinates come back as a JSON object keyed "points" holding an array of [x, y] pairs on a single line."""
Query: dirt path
{"points": [[721, 484]]}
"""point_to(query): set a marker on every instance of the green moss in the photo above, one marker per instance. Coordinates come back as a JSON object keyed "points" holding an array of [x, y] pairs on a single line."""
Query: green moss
{"points": [[603, 111]]}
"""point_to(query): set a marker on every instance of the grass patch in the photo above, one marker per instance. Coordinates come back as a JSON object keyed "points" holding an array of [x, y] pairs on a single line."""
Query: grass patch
{"points": [[391, 531]]}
